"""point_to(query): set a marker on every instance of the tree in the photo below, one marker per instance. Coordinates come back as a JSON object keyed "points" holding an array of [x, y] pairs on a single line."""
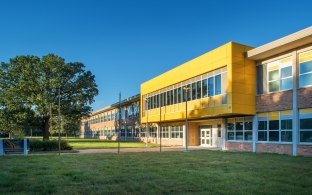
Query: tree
{"points": [[35, 84]]}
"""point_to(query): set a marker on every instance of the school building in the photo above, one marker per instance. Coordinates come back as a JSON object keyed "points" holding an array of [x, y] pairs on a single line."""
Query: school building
{"points": [[234, 97]]}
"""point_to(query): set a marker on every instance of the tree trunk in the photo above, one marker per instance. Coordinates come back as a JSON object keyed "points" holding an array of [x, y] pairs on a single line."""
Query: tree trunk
{"points": [[46, 133]]}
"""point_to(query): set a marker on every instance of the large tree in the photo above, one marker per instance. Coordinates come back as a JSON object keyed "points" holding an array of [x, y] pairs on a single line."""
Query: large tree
{"points": [[30, 84]]}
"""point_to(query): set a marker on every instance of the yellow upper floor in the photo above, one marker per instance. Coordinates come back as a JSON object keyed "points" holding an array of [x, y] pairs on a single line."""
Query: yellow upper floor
{"points": [[225, 66]]}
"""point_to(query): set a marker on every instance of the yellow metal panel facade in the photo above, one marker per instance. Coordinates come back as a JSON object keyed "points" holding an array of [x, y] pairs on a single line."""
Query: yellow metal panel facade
{"points": [[239, 93]]}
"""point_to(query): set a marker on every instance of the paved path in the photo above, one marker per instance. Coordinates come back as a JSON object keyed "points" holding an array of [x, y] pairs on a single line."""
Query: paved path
{"points": [[123, 150], [129, 150]]}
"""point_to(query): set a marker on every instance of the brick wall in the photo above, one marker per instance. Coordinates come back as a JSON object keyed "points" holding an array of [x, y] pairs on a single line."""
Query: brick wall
{"points": [[304, 150], [274, 101], [238, 146], [304, 97], [274, 148]]}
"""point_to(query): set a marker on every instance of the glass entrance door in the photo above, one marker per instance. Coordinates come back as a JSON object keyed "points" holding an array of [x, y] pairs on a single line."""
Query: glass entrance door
{"points": [[205, 133]]}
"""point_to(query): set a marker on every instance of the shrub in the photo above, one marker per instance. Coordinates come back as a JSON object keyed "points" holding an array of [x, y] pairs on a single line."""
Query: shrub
{"points": [[48, 145]]}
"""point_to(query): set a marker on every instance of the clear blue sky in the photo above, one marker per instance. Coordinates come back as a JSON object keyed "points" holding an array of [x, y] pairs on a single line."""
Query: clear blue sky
{"points": [[125, 43]]}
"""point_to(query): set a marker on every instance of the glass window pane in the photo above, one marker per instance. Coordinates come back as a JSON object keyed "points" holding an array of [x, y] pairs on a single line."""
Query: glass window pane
{"points": [[205, 87], [248, 135], [262, 125], [305, 80], [306, 67], [305, 136], [286, 72], [218, 84], [239, 125], [273, 86], [171, 96], [179, 95], [274, 136], [262, 136], [210, 87], [306, 123], [248, 125], [230, 126], [286, 124], [175, 96], [286, 83], [274, 125], [230, 136], [189, 92], [194, 91], [273, 75], [286, 136], [198, 89], [239, 135]]}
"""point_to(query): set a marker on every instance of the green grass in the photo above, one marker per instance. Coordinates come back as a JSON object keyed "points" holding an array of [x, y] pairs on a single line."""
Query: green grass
{"points": [[101, 144], [78, 143], [195, 172]]}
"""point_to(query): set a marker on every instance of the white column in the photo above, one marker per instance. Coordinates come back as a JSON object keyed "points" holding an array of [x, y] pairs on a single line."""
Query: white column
{"points": [[254, 133], [184, 134], [1, 147], [223, 132], [25, 147], [295, 121]]}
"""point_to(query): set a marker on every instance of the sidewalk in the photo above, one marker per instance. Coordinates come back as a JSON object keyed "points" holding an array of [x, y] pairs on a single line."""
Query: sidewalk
{"points": [[133, 150]]}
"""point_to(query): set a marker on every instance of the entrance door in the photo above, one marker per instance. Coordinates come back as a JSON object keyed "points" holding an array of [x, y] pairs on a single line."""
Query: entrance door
{"points": [[205, 133]]}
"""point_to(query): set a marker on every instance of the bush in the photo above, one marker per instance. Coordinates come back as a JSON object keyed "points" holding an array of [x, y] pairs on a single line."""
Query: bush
{"points": [[48, 145]]}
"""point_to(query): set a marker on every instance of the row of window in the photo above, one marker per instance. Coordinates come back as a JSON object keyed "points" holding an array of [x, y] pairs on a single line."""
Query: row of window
{"points": [[239, 129], [214, 84], [126, 112], [278, 75]]}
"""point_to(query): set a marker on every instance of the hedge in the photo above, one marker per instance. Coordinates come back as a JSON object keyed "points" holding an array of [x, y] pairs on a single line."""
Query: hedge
{"points": [[48, 145]]}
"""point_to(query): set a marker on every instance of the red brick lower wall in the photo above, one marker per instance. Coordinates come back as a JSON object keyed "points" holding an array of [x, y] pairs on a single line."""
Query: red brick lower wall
{"points": [[274, 148], [238, 146], [304, 150]]}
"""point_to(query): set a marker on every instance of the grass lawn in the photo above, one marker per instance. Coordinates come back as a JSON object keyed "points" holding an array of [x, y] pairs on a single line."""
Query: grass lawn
{"points": [[78, 143], [196, 172]]}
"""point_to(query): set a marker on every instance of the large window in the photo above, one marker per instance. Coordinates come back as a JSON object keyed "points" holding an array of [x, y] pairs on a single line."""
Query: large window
{"points": [[205, 88], [306, 125], [275, 126], [194, 87], [176, 131], [305, 69], [164, 132], [239, 129], [280, 75], [211, 84]]}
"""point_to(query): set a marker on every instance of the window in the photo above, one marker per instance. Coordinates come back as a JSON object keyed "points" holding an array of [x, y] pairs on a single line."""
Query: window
{"points": [[218, 84], [305, 69], [219, 130], [175, 96], [177, 132], [280, 75], [210, 86], [179, 95], [198, 89], [168, 98], [153, 132], [306, 125], [194, 86], [205, 88], [239, 129], [164, 132], [275, 127], [286, 130]]}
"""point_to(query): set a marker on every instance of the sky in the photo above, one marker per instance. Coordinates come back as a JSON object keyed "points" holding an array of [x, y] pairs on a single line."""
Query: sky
{"points": [[127, 42]]}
